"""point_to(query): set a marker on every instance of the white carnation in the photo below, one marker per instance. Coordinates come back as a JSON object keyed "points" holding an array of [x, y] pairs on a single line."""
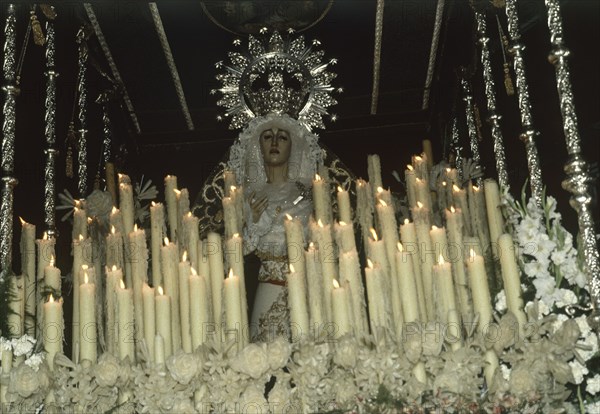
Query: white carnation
{"points": [[593, 384], [560, 319], [593, 407], [5, 345], [505, 371], [589, 346], [501, 301], [23, 345], [578, 370], [583, 325], [34, 361], [565, 297]]}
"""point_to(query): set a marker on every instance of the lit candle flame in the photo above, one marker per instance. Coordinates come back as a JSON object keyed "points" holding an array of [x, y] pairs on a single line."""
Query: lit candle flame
{"points": [[45, 236], [444, 183], [400, 247], [23, 222], [52, 260], [419, 204], [166, 240], [122, 284], [184, 256], [340, 189], [343, 223], [448, 169], [287, 216], [383, 203], [236, 235], [320, 223], [51, 298], [81, 237], [85, 277], [177, 192], [114, 268], [161, 292], [292, 270], [193, 271], [230, 273], [318, 177], [311, 245], [370, 264], [410, 167], [452, 209], [135, 227], [113, 230], [434, 227], [84, 267], [89, 220], [114, 210], [232, 188], [336, 285], [152, 203], [455, 188], [380, 189], [373, 233], [441, 260], [406, 221], [418, 158], [475, 188], [189, 214], [472, 253]]}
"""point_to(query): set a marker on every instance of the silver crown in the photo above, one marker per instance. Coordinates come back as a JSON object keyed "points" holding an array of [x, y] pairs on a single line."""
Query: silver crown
{"points": [[276, 75]]}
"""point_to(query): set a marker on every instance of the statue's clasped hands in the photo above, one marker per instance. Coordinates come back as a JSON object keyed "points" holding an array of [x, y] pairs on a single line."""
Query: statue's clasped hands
{"points": [[258, 205]]}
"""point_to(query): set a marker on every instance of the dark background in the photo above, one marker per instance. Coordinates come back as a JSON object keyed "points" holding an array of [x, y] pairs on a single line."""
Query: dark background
{"points": [[164, 145]]}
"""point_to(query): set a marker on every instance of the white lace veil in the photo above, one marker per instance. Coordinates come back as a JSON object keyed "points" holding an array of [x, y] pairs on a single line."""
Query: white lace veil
{"points": [[246, 160]]}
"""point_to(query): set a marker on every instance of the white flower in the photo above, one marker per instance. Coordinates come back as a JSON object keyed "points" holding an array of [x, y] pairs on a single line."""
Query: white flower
{"points": [[559, 257], [279, 397], [544, 287], [5, 345], [583, 325], [23, 345], [501, 301], [589, 346], [345, 353], [34, 361], [578, 370], [560, 319], [183, 367], [252, 360], [505, 371], [536, 270], [565, 297], [593, 407], [593, 384], [253, 400], [279, 352], [107, 370]]}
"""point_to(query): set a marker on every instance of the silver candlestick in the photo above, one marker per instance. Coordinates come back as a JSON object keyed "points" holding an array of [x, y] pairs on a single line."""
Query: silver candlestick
{"points": [[82, 114], [490, 95], [472, 128], [578, 178], [528, 132], [9, 69], [50, 132]]}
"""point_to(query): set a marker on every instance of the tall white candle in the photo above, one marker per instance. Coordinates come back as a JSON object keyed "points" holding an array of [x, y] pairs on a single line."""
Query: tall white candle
{"points": [[79, 223], [294, 235], [157, 233], [214, 252], [127, 207], [52, 277], [184, 303], [445, 289], [53, 329], [344, 236], [149, 319], [171, 200], [344, 209], [427, 256], [374, 172], [170, 270], [230, 217], [114, 249], [423, 193], [88, 329], [16, 306], [456, 256], [297, 303], [410, 245], [351, 276], [314, 280], [126, 329], [339, 300], [159, 350], [321, 234], [199, 308], [233, 309], [113, 278], [511, 278], [411, 186], [378, 315], [494, 209], [183, 207], [321, 200], [235, 260], [28, 270], [162, 304], [407, 284], [191, 237], [460, 201], [139, 276]]}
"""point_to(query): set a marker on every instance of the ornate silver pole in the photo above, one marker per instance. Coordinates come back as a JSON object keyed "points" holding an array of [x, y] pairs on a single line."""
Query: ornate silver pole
{"points": [[82, 114], [456, 147], [490, 95], [578, 177], [50, 132], [9, 69], [377, 55], [469, 112], [528, 133]]}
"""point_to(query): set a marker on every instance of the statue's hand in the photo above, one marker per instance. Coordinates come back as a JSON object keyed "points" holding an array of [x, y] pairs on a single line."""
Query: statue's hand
{"points": [[258, 205]]}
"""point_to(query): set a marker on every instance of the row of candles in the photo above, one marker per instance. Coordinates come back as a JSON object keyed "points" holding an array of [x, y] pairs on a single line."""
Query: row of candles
{"points": [[411, 274]]}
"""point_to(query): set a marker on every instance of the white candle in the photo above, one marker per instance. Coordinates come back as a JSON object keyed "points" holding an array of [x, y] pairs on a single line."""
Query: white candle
{"points": [[410, 245], [439, 241], [494, 210], [427, 256], [378, 316], [191, 237], [126, 330], [16, 306], [88, 329], [428, 153], [421, 168], [235, 261], [214, 252], [350, 274], [445, 289], [53, 329], [52, 277], [423, 193], [344, 236], [162, 304], [171, 200], [139, 276], [28, 269], [183, 207], [344, 210], [170, 271], [113, 278], [321, 200], [116, 220], [229, 180], [297, 303], [407, 285], [314, 280], [460, 201], [339, 299], [127, 207], [159, 350], [456, 256], [114, 249], [294, 235], [233, 309], [237, 195], [322, 235], [157, 230], [411, 186], [184, 303], [149, 319], [79, 223], [230, 217], [199, 307], [364, 208], [511, 278], [374, 172]]}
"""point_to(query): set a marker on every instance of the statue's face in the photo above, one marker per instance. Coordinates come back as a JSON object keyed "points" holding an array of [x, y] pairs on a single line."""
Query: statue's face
{"points": [[276, 146]]}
